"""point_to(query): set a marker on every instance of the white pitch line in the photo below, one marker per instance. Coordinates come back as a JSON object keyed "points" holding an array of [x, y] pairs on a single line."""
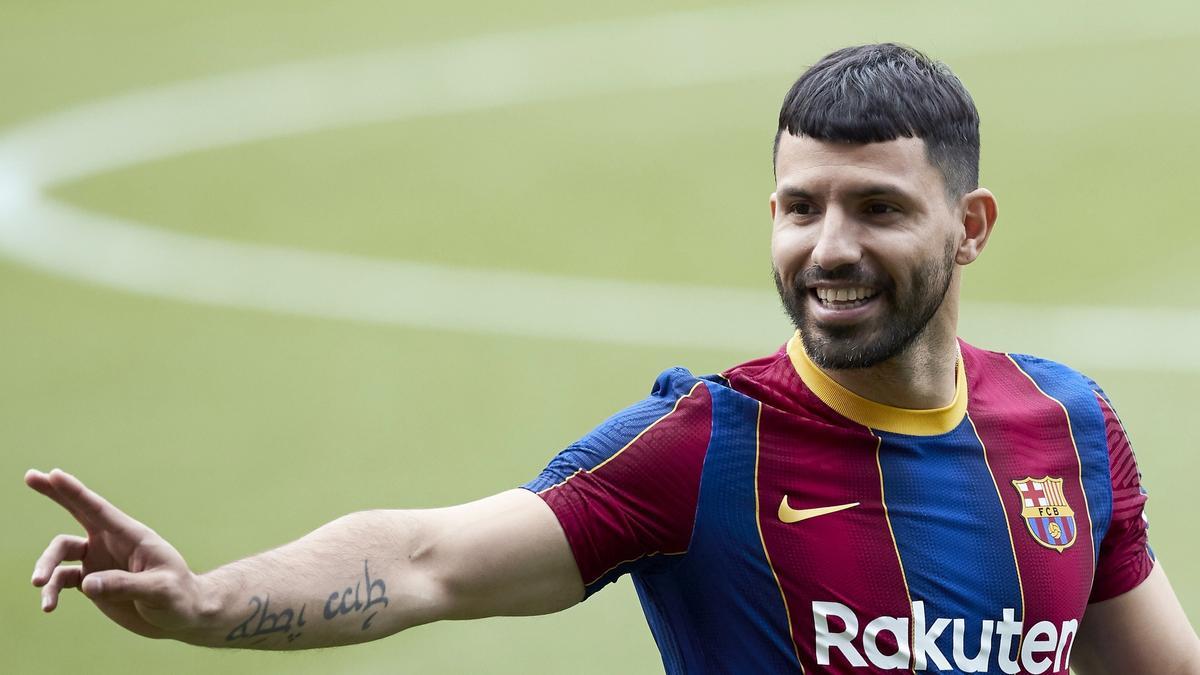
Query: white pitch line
{"points": [[669, 50], [90, 247]]}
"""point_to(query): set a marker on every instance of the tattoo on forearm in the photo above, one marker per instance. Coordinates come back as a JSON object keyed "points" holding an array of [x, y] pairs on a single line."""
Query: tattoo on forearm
{"points": [[262, 622], [339, 602], [268, 622]]}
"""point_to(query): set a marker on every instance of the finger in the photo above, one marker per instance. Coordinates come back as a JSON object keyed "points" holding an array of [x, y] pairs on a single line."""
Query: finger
{"points": [[63, 547], [92, 510], [40, 481], [114, 585], [63, 577]]}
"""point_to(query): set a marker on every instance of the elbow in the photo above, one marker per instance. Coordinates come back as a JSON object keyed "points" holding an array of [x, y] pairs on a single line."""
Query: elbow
{"points": [[414, 563], [401, 554]]}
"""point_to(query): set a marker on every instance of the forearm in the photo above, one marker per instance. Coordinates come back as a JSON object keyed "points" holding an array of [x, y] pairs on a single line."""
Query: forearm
{"points": [[359, 578], [355, 579]]}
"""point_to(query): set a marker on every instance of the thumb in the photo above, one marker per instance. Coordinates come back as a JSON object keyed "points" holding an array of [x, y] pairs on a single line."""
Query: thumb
{"points": [[119, 585]]}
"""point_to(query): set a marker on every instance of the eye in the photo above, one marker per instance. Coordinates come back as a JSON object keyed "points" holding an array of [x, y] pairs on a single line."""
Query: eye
{"points": [[802, 209], [881, 208]]}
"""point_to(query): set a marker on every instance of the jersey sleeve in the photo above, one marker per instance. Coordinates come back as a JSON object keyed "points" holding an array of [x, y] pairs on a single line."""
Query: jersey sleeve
{"points": [[1125, 558], [626, 493]]}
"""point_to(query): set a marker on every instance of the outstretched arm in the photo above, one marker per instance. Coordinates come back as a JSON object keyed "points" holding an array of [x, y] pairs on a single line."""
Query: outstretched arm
{"points": [[361, 577]]}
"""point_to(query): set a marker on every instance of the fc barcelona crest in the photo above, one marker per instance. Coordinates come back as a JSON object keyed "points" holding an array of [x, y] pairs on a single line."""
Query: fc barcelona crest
{"points": [[1049, 517]]}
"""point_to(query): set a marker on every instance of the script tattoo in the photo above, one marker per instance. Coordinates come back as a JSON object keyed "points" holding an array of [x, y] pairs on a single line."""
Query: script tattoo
{"points": [[350, 600], [268, 622]]}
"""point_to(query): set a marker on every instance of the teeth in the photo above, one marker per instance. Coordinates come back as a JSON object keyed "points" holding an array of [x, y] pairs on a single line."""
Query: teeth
{"points": [[829, 295]]}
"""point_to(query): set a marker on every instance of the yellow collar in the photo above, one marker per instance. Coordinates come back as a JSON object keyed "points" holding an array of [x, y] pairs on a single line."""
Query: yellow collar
{"points": [[877, 415]]}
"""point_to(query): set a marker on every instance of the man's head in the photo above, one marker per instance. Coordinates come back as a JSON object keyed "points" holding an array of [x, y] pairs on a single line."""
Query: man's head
{"points": [[876, 164]]}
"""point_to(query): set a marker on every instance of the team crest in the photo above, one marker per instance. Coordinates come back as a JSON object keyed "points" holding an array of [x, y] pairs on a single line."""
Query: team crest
{"points": [[1049, 517]]}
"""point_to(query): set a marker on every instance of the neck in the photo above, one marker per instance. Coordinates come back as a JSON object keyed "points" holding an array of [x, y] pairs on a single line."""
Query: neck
{"points": [[901, 415], [921, 377]]}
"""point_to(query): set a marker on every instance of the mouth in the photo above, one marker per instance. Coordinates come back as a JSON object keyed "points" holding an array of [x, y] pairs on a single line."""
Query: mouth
{"points": [[842, 305], [844, 298]]}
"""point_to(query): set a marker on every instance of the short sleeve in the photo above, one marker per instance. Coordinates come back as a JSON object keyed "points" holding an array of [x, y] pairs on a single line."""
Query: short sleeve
{"points": [[1125, 556], [626, 493]]}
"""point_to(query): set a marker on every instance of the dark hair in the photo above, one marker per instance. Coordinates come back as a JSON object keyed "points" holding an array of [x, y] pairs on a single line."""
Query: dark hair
{"points": [[876, 93]]}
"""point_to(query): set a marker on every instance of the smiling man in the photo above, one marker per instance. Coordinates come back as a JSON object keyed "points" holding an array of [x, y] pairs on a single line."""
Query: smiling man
{"points": [[877, 495]]}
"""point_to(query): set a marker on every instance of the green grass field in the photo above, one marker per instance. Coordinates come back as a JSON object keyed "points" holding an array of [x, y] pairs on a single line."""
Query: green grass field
{"points": [[232, 429]]}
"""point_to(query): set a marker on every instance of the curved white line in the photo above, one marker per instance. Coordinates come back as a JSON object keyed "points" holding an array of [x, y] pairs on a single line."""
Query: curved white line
{"points": [[92, 247], [669, 50]]}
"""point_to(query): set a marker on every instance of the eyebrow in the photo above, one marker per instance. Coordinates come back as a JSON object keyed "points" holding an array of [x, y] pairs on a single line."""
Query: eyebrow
{"points": [[861, 192]]}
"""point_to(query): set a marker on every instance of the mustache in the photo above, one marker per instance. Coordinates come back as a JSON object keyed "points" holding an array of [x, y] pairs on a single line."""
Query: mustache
{"points": [[857, 274]]}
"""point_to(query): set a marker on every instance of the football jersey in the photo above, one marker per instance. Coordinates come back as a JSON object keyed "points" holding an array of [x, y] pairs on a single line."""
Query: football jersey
{"points": [[774, 521]]}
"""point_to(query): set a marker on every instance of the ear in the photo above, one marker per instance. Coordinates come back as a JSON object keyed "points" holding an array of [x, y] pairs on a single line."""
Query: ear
{"points": [[978, 218], [774, 206]]}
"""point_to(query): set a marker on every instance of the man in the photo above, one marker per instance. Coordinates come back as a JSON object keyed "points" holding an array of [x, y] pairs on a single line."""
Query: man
{"points": [[875, 496]]}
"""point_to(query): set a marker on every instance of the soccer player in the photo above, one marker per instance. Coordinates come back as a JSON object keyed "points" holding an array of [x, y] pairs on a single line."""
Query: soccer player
{"points": [[877, 495]]}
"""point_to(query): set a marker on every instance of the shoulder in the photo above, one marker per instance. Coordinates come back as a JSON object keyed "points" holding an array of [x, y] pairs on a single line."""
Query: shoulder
{"points": [[1014, 372], [674, 414], [1043, 369], [673, 388], [762, 369], [675, 382], [771, 380]]}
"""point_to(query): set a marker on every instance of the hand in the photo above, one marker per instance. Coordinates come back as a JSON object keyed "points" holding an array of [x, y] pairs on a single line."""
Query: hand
{"points": [[133, 575]]}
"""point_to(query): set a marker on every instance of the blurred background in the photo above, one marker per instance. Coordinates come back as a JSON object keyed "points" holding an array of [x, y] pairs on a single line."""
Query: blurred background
{"points": [[263, 264]]}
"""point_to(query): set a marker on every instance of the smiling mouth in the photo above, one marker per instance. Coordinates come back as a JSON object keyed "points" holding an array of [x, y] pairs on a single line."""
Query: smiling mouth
{"points": [[843, 298]]}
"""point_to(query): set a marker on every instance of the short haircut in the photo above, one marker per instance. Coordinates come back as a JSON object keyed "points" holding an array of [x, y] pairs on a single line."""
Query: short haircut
{"points": [[880, 92]]}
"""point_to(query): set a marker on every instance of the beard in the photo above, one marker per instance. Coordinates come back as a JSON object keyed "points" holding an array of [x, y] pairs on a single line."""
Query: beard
{"points": [[882, 337]]}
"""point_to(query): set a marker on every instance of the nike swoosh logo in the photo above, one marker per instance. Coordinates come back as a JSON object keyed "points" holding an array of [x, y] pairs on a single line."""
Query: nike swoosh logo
{"points": [[789, 515]]}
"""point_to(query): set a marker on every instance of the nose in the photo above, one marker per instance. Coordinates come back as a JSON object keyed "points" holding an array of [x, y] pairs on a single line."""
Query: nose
{"points": [[837, 242]]}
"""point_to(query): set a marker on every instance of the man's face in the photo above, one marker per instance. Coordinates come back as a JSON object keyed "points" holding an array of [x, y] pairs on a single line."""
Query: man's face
{"points": [[863, 246]]}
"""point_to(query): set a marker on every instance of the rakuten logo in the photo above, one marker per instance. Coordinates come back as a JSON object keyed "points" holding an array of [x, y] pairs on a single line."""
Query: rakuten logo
{"points": [[1044, 647]]}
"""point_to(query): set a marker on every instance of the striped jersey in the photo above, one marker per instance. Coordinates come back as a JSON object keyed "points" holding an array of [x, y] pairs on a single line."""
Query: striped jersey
{"points": [[774, 521]]}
